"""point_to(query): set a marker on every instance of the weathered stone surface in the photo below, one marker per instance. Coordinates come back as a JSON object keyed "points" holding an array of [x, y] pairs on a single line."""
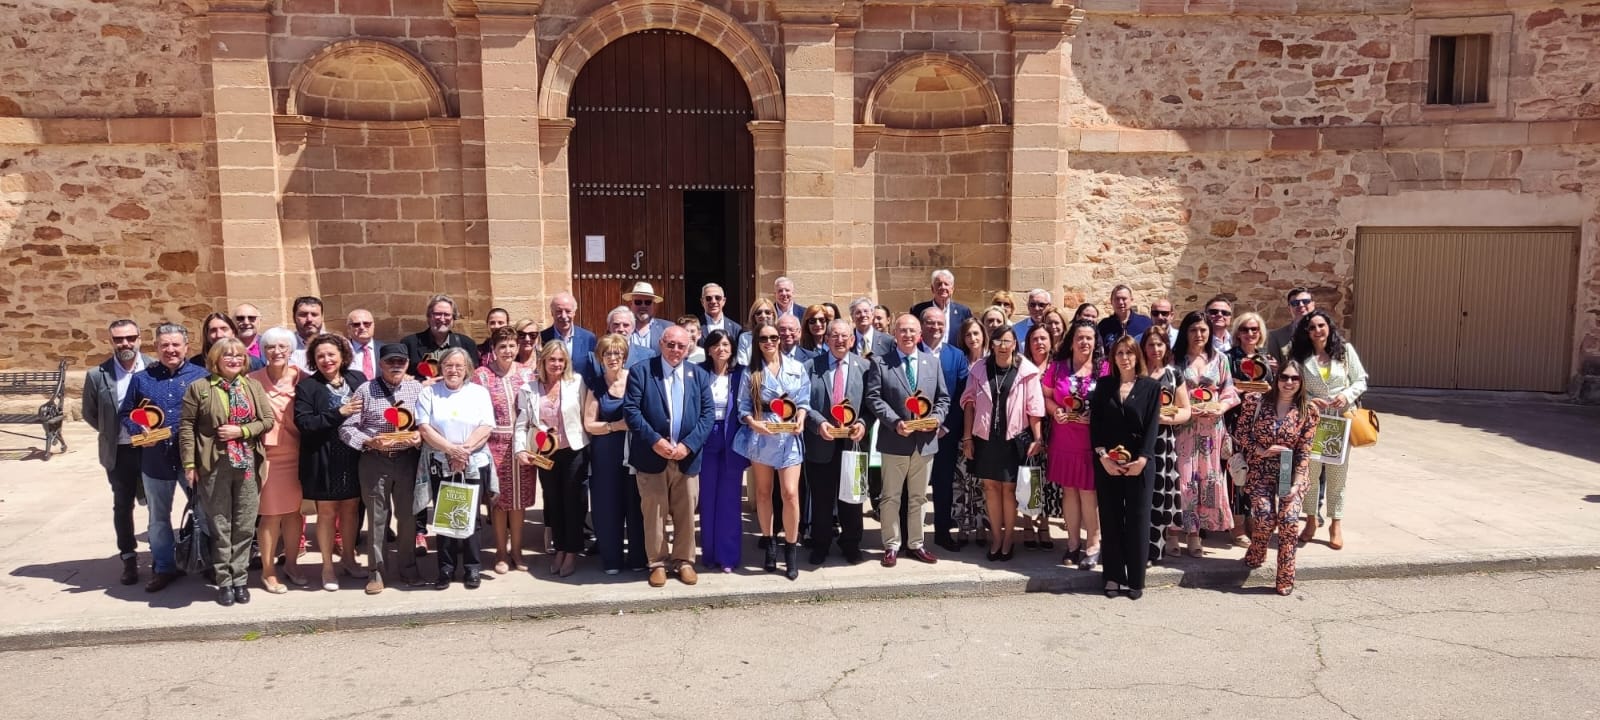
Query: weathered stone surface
{"points": [[76, 246]]}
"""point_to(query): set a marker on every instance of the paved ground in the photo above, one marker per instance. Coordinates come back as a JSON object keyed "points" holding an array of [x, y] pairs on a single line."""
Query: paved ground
{"points": [[1474, 646], [1454, 486]]}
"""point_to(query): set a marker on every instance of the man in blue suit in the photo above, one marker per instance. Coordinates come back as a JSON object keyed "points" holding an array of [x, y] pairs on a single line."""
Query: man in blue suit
{"points": [[783, 299], [869, 343], [953, 365], [669, 413], [907, 455], [713, 300], [620, 322], [647, 328], [564, 327], [943, 287]]}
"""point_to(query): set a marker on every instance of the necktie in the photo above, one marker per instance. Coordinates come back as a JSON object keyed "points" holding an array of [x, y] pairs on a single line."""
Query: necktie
{"points": [[366, 361], [675, 401], [911, 370], [838, 381]]}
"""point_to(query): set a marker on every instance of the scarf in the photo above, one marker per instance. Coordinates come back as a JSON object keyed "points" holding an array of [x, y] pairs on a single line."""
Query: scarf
{"points": [[239, 413]]}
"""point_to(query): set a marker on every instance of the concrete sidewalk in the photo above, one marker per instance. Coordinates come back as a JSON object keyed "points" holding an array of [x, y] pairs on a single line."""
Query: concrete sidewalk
{"points": [[1455, 486]]}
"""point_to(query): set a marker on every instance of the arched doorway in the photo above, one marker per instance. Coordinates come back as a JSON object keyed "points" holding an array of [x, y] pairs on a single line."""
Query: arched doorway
{"points": [[662, 175]]}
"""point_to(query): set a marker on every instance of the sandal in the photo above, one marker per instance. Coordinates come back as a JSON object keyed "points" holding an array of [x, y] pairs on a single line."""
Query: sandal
{"points": [[1195, 548]]}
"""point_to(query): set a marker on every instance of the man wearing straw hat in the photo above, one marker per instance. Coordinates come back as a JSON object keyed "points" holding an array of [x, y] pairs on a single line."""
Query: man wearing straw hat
{"points": [[647, 328]]}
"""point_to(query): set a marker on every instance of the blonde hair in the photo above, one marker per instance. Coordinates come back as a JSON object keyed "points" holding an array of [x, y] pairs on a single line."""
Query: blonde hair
{"points": [[544, 352], [1238, 323], [223, 347]]}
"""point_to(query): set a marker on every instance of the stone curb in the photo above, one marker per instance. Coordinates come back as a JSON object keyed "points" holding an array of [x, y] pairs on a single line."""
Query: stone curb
{"points": [[415, 610]]}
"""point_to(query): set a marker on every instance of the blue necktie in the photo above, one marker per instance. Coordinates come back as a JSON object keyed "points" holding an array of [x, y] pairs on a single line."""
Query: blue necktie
{"points": [[675, 400]]}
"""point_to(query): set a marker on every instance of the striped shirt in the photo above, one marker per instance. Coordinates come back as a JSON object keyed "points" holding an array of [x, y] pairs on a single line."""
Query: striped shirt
{"points": [[363, 426]]}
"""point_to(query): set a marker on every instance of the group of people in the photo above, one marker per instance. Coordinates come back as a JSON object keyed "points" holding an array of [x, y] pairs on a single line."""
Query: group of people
{"points": [[1123, 426]]}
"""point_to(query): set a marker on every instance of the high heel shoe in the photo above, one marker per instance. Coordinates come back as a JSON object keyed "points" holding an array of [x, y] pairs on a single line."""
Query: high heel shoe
{"points": [[353, 570], [330, 580], [569, 564], [1090, 559], [1113, 590], [770, 564], [791, 562]]}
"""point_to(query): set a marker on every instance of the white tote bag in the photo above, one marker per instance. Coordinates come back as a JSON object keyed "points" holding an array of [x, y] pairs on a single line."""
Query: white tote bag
{"points": [[1030, 490], [853, 476], [455, 510]]}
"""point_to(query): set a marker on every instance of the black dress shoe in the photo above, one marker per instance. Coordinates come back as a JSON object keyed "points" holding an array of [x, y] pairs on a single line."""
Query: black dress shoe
{"points": [[1135, 593], [225, 596], [853, 557], [241, 595], [994, 556], [130, 570], [473, 581], [442, 582], [817, 556], [947, 543]]}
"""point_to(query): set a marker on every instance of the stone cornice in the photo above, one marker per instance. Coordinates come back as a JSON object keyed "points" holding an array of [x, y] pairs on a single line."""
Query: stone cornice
{"points": [[1055, 16], [480, 8], [238, 6], [814, 12]]}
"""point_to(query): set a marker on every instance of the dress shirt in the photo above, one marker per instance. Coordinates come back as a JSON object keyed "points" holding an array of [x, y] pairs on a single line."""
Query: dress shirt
{"points": [[163, 388], [124, 379], [720, 386], [673, 378], [361, 355]]}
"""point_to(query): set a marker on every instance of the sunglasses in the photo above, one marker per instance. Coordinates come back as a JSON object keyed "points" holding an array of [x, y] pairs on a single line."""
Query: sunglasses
{"points": [[1251, 330], [1160, 313], [1300, 303], [246, 318], [360, 324], [1038, 305], [644, 302], [674, 345], [1288, 378], [712, 298], [396, 361], [817, 321], [767, 338], [1221, 313], [124, 338], [527, 336]]}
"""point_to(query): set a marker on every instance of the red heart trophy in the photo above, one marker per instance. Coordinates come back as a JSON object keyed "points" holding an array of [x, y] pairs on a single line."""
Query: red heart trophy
{"points": [[1204, 398], [543, 443], [786, 410], [843, 417], [921, 408], [154, 422], [1254, 371], [1120, 455], [404, 423], [1168, 409], [1077, 409], [428, 369]]}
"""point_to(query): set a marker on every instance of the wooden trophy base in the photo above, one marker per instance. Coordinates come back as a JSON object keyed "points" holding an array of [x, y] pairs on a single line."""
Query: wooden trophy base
{"points": [[1251, 386], [543, 462], [1211, 407], [1168, 411], [400, 438], [783, 428], [841, 433], [151, 437], [922, 424]]}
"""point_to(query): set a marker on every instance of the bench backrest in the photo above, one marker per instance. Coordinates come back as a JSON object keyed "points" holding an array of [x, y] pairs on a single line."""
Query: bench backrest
{"points": [[35, 383]]}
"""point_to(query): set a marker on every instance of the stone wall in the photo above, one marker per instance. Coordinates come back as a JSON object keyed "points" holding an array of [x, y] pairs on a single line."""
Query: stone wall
{"points": [[91, 58], [939, 202], [299, 28], [89, 234]]}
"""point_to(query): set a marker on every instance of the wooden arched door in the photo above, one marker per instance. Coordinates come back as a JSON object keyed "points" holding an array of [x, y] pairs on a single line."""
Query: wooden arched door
{"points": [[662, 174]]}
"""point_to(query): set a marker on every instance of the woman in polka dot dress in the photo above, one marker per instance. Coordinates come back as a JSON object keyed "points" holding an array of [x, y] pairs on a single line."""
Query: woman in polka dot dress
{"points": [[1164, 504]]}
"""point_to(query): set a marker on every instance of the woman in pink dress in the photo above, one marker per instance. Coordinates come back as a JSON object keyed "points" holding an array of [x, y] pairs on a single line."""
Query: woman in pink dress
{"points": [[514, 491], [1068, 383], [280, 480], [1202, 484]]}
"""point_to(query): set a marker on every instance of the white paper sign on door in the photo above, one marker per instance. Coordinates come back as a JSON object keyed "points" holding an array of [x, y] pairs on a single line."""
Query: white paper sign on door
{"points": [[594, 248]]}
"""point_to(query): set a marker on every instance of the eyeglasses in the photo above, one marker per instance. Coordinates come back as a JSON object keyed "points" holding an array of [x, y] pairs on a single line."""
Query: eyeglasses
{"points": [[644, 303], [1038, 304], [1219, 312], [124, 338], [354, 323], [1302, 302], [1250, 330], [817, 321], [527, 335], [613, 354], [670, 345], [1288, 378], [246, 318], [1160, 313], [712, 298], [767, 338]]}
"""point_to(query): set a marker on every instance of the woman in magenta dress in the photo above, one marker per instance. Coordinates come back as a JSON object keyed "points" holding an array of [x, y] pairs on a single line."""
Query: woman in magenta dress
{"points": [[514, 485], [1068, 384]]}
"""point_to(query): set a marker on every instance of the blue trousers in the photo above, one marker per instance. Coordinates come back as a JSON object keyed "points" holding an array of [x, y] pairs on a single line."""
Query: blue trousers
{"points": [[721, 489], [614, 503]]}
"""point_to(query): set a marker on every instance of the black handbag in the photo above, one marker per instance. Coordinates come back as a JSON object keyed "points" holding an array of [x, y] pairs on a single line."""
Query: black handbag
{"points": [[193, 552]]}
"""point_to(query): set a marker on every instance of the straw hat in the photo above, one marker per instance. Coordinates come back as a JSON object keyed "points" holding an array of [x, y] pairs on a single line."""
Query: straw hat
{"points": [[642, 289]]}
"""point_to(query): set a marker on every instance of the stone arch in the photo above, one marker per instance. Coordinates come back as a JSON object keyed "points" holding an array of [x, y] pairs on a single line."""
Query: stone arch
{"points": [[932, 91], [364, 80], [714, 26]]}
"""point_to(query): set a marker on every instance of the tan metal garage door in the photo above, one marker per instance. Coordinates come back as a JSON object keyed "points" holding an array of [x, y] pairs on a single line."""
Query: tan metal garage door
{"points": [[1466, 308]]}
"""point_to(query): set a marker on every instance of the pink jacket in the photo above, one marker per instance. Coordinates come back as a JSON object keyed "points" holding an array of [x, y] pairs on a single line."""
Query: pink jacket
{"points": [[1026, 400]]}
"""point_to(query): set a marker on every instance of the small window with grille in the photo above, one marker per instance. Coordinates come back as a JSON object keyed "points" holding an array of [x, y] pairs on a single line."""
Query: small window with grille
{"points": [[1459, 68]]}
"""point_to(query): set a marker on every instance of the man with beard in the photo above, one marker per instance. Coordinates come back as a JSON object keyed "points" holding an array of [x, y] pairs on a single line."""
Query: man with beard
{"points": [[104, 388], [429, 344]]}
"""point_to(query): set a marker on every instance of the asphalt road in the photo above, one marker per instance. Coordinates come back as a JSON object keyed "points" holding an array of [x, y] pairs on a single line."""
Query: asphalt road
{"points": [[1476, 646]]}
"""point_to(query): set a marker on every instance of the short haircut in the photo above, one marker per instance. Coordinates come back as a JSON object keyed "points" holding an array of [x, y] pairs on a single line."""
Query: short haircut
{"points": [[1242, 318], [304, 300], [1219, 299], [942, 273], [172, 329], [275, 335], [497, 310], [452, 352], [619, 310], [863, 300], [781, 280], [223, 347], [1119, 288], [1037, 292], [610, 341], [923, 317], [346, 356], [687, 320], [122, 322], [842, 324], [500, 335], [435, 300], [1295, 291], [708, 286]]}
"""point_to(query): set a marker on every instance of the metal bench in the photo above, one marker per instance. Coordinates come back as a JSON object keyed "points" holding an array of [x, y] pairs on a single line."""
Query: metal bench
{"points": [[51, 414]]}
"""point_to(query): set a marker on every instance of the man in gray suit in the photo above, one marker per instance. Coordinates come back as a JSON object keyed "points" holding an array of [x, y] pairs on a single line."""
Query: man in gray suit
{"points": [[103, 390], [907, 455], [837, 376]]}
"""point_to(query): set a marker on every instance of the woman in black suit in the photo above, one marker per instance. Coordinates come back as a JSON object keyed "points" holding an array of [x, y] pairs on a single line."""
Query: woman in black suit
{"points": [[1126, 407], [322, 400]]}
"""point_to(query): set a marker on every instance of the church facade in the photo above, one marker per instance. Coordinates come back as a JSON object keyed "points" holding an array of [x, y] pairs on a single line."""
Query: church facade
{"points": [[1429, 168]]}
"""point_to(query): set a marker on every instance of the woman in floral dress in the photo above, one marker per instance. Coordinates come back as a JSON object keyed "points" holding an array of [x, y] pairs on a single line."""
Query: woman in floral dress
{"points": [[514, 490], [1201, 481], [967, 507], [1165, 501]]}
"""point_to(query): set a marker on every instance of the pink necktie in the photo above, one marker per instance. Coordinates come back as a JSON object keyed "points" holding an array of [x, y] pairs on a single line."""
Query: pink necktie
{"points": [[366, 360], [838, 382]]}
